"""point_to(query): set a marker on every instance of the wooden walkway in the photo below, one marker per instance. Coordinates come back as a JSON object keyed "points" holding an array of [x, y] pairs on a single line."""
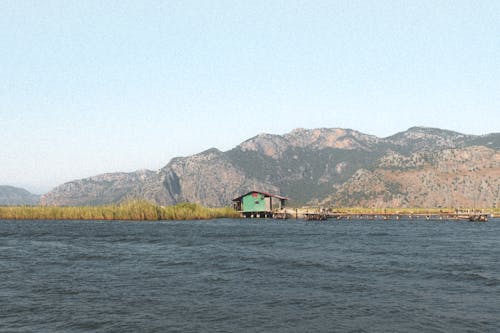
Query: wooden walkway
{"points": [[475, 217], [315, 216], [324, 215]]}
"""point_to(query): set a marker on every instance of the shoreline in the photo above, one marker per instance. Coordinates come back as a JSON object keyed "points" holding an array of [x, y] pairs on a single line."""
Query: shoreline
{"points": [[147, 211]]}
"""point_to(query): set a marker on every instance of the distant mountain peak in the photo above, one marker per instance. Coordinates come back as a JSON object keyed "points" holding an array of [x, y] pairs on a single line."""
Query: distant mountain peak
{"points": [[429, 138], [212, 150], [423, 130], [11, 195], [338, 138], [271, 145]]}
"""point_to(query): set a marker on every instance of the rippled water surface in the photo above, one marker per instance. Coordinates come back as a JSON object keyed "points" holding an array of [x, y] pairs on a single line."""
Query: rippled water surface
{"points": [[250, 276]]}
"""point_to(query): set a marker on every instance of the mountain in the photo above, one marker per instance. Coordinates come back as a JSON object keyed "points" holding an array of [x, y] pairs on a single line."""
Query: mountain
{"points": [[107, 188], [10, 195], [420, 167], [209, 178], [463, 177]]}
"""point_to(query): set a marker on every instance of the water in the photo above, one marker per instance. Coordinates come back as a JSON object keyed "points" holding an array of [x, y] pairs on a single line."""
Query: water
{"points": [[249, 275]]}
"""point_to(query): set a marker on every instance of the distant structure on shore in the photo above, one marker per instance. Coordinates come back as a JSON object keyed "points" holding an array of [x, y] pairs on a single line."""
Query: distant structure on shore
{"points": [[260, 204]]}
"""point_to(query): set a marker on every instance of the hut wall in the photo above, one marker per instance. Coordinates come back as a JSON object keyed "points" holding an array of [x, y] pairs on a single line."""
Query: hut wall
{"points": [[254, 203], [268, 201], [276, 203]]}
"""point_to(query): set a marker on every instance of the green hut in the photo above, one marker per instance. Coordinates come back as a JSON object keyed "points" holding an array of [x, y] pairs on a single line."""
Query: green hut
{"points": [[259, 204]]}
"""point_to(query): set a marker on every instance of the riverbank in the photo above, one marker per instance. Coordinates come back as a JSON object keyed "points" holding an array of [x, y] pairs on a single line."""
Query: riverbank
{"points": [[132, 210], [147, 211]]}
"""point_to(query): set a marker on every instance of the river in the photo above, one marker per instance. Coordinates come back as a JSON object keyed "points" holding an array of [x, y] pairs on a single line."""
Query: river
{"points": [[249, 276]]}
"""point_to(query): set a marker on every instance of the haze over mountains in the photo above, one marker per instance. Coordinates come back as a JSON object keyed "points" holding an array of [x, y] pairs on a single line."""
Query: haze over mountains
{"points": [[420, 167], [10, 195]]}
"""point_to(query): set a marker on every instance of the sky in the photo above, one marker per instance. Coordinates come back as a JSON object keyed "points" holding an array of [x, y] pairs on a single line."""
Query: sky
{"points": [[89, 87]]}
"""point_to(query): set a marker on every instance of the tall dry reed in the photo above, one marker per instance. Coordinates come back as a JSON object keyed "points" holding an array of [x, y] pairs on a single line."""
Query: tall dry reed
{"points": [[137, 210]]}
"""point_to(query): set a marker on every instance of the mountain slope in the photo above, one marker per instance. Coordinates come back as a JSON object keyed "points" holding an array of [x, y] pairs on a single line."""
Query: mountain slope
{"points": [[419, 167], [463, 177], [10, 195], [209, 178], [103, 189]]}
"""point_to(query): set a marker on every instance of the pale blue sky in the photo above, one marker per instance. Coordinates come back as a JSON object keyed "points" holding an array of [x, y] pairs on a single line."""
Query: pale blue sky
{"points": [[88, 87]]}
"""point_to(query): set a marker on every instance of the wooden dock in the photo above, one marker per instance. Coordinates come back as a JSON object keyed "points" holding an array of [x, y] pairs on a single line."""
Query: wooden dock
{"points": [[315, 216], [477, 217], [322, 215]]}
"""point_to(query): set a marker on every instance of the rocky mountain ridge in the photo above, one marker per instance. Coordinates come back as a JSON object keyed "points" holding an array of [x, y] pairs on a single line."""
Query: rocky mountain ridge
{"points": [[420, 167], [464, 177]]}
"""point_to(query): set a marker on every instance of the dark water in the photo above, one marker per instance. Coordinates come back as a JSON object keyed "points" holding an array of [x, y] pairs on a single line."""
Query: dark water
{"points": [[249, 276]]}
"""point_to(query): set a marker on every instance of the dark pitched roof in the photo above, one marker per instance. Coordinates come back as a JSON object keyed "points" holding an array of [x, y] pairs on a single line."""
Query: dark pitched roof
{"points": [[265, 193]]}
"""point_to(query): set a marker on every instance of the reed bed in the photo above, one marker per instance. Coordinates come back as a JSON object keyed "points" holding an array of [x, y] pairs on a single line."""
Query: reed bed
{"points": [[132, 210]]}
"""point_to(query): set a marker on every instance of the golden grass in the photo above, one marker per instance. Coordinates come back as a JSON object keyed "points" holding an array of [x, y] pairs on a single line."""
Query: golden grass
{"points": [[132, 210]]}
